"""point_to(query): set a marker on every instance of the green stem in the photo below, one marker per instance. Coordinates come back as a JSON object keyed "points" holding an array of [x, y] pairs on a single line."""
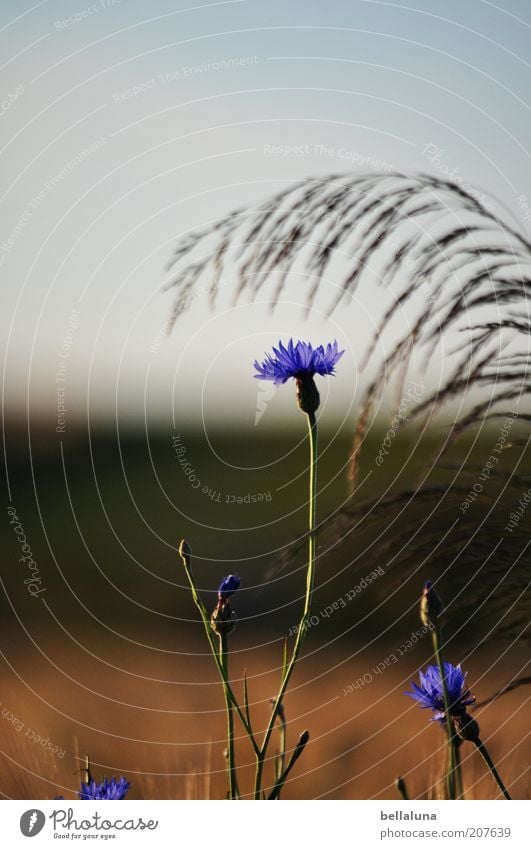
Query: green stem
{"points": [[282, 746], [224, 660], [450, 776], [206, 623], [495, 774], [261, 755]]}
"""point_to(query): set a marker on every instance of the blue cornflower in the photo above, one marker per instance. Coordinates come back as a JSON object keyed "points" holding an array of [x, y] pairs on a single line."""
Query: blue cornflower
{"points": [[223, 619], [106, 789], [228, 586], [298, 360], [430, 692]]}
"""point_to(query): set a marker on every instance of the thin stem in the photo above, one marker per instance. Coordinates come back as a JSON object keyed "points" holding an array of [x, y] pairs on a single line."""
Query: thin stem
{"points": [[450, 777], [495, 774], [224, 660], [282, 745], [301, 631], [280, 759], [206, 623]]}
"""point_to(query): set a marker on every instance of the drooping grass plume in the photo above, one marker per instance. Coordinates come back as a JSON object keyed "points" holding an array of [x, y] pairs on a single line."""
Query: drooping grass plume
{"points": [[415, 233]]}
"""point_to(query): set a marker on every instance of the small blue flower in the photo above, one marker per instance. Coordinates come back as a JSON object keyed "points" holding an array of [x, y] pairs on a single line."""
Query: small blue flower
{"points": [[298, 360], [430, 692], [106, 789], [228, 586]]}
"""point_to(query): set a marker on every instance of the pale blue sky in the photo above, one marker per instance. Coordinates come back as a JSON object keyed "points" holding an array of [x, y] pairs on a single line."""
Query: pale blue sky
{"points": [[120, 132]]}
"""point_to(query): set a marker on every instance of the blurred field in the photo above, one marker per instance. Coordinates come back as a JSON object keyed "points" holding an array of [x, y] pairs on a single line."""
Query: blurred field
{"points": [[110, 659], [167, 738]]}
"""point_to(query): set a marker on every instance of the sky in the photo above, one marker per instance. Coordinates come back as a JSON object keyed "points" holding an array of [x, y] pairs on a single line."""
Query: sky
{"points": [[126, 124]]}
